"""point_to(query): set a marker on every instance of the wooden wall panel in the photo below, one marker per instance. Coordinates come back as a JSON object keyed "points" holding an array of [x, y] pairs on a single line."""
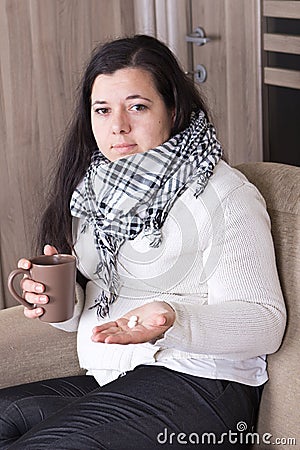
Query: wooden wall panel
{"points": [[244, 81], [43, 48], [233, 63]]}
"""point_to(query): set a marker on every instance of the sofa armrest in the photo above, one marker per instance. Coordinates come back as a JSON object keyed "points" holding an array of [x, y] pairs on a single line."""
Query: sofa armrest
{"points": [[31, 350]]}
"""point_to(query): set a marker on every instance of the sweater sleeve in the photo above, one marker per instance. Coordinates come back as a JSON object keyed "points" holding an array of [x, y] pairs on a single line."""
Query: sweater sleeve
{"points": [[244, 315]]}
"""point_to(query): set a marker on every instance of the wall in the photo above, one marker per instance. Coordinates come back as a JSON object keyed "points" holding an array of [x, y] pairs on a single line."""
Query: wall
{"points": [[43, 47]]}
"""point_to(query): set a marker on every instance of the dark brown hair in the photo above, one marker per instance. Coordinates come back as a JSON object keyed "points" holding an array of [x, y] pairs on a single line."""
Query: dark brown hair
{"points": [[177, 90]]}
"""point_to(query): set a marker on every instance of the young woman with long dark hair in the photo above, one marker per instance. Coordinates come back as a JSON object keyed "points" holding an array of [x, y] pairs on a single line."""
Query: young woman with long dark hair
{"points": [[178, 300]]}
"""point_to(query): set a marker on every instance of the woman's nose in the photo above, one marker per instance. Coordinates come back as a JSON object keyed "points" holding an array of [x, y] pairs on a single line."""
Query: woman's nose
{"points": [[121, 123]]}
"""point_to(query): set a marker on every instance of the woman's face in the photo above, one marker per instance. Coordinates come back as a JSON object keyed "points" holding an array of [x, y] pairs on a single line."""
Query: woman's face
{"points": [[128, 114]]}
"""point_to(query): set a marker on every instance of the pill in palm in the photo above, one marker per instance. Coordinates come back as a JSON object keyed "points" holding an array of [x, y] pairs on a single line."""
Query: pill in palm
{"points": [[132, 321]]}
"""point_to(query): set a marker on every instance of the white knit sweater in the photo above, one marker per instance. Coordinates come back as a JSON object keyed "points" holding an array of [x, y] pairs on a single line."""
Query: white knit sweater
{"points": [[215, 267]]}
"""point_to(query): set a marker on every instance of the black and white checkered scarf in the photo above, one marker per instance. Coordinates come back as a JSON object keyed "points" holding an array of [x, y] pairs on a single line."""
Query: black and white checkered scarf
{"points": [[134, 194]]}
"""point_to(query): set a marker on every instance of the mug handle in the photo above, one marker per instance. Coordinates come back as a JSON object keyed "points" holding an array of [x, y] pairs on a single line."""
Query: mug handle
{"points": [[10, 284]]}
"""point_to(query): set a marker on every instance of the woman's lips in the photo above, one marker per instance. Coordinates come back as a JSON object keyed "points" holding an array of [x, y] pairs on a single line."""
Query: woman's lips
{"points": [[123, 148]]}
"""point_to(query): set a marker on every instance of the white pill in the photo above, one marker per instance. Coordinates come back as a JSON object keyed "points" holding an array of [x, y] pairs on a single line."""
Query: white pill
{"points": [[133, 319]]}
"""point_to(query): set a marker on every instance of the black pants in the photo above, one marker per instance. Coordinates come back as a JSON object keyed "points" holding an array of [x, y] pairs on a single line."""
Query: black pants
{"points": [[148, 408]]}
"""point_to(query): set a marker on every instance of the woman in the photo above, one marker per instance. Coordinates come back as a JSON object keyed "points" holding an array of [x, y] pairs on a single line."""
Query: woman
{"points": [[178, 299]]}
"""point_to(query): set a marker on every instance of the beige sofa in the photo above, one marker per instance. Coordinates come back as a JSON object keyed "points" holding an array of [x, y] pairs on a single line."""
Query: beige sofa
{"points": [[32, 350]]}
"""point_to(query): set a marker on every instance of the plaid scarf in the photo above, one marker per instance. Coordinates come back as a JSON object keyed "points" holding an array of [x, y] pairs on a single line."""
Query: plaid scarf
{"points": [[134, 194]]}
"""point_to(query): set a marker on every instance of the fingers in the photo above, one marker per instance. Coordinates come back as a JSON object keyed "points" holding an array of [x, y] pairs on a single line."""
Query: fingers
{"points": [[33, 313], [160, 321], [105, 332], [36, 299], [29, 285], [122, 339], [150, 323], [104, 327], [50, 250], [114, 336], [33, 291], [120, 331], [24, 264]]}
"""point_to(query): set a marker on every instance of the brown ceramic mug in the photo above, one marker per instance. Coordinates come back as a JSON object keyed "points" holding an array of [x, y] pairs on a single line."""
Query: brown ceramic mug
{"points": [[58, 274]]}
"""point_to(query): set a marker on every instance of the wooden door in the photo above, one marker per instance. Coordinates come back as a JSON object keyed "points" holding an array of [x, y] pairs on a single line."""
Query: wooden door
{"points": [[232, 59]]}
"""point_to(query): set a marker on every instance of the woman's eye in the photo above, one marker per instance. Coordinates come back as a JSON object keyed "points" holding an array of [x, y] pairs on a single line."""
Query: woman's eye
{"points": [[139, 107], [102, 111]]}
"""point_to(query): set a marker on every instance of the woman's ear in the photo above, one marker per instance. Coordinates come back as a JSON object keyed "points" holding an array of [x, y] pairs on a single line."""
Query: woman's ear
{"points": [[173, 116]]}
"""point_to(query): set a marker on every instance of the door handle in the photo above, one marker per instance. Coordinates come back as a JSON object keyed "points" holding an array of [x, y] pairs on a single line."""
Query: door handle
{"points": [[200, 74], [197, 37]]}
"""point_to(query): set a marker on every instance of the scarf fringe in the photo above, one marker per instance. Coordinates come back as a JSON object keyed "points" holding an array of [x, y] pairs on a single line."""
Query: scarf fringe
{"points": [[102, 303]]}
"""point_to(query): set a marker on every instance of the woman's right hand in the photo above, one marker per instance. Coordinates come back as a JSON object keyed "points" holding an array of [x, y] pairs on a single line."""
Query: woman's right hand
{"points": [[33, 291]]}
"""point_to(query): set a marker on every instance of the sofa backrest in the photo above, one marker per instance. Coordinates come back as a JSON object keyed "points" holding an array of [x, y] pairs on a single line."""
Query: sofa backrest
{"points": [[279, 412]]}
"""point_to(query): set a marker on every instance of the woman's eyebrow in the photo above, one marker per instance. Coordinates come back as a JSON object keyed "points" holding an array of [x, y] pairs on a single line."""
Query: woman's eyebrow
{"points": [[129, 97], [134, 96], [99, 102]]}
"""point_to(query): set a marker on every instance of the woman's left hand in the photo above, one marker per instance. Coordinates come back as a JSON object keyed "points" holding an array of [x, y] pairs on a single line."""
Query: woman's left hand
{"points": [[154, 319]]}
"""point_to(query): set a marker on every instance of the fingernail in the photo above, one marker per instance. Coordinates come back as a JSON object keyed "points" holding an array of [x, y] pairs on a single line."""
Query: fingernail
{"points": [[38, 288], [38, 311], [43, 299]]}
